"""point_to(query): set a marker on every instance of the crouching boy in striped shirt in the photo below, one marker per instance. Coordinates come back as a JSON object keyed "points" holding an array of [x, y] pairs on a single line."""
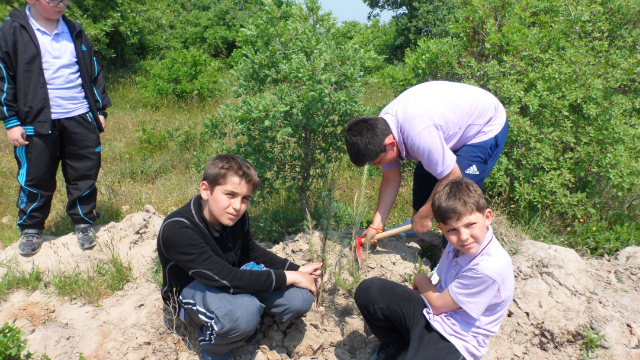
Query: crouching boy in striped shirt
{"points": [[215, 276], [454, 319]]}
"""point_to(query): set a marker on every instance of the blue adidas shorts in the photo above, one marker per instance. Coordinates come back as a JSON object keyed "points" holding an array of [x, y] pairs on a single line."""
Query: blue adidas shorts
{"points": [[475, 162]]}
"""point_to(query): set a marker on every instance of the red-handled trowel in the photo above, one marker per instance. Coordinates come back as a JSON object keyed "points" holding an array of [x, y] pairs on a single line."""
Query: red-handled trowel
{"points": [[360, 241]]}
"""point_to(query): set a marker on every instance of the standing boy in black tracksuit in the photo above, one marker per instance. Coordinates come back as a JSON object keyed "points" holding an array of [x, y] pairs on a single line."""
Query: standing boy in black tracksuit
{"points": [[213, 272], [51, 94]]}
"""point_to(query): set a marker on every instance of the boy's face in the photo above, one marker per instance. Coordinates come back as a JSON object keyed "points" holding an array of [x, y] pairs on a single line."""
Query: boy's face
{"points": [[42, 9], [468, 232], [226, 203], [390, 154]]}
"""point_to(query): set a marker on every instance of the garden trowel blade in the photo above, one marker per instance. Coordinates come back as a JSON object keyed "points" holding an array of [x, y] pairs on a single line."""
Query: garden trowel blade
{"points": [[359, 243]]}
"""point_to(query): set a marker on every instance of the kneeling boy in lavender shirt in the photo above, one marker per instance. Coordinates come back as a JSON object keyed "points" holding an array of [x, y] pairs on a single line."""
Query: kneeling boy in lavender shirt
{"points": [[455, 318]]}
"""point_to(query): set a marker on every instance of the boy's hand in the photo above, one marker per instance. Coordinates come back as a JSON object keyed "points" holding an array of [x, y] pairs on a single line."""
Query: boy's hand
{"points": [[301, 280], [313, 269], [102, 121], [370, 233], [421, 224], [17, 136]]}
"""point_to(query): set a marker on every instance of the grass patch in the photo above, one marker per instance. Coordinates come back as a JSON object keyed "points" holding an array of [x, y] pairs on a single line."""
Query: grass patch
{"points": [[156, 272], [590, 342], [102, 279], [15, 278]]}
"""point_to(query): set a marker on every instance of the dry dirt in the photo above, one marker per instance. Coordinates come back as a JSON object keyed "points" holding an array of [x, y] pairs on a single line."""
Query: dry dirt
{"points": [[557, 294]]}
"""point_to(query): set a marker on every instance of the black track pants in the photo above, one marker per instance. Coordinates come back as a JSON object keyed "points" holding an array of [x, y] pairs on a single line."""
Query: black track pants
{"points": [[393, 312], [75, 143]]}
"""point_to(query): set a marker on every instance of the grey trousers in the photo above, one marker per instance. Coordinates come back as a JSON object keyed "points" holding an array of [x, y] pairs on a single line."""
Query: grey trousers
{"points": [[226, 321]]}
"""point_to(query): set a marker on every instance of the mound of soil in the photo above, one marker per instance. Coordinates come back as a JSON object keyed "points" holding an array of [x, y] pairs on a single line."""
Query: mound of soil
{"points": [[557, 294]]}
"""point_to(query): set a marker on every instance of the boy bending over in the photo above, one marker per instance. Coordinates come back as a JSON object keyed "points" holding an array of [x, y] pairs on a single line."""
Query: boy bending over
{"points": [[213, 272], [454, 319], [451, 129]]}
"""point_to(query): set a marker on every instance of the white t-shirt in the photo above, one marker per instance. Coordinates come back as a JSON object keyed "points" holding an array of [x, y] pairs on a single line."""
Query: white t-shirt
{"points": [[431, 120]]}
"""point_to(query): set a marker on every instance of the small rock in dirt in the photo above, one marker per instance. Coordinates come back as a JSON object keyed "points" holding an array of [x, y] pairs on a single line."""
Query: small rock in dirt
{"points": [[329, 354], [342, 354], [273, 355], [331, 339], [6, 219], [268, 320], [353, 323], [283, 326], [148, 208]]}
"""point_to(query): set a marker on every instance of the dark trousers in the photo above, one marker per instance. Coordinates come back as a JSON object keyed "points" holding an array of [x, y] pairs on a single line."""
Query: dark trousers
{"points": [[73, 142], [393, 312]]}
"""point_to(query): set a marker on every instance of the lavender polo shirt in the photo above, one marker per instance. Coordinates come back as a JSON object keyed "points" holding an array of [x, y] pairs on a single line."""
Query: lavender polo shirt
{"points": [[483, 286], [61, 70], [431, 120]]}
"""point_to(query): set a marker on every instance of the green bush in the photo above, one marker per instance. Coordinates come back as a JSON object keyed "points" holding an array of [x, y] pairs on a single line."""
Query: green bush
{"points": [[298, 85], [118, 29], [12, 345], [568, 75], [209, 26], [183, 75], [413, 20]]}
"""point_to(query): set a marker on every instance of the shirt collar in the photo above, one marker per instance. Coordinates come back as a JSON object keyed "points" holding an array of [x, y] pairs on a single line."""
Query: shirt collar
{"points": [[465, 259], [199, 214], [60, 29]]}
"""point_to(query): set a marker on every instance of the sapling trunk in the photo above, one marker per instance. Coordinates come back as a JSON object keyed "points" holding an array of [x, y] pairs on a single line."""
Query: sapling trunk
{"points": [[328, 211]]}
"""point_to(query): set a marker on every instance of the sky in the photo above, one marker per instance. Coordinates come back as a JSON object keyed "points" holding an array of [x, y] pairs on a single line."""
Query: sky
{"points": [[346, 10]]}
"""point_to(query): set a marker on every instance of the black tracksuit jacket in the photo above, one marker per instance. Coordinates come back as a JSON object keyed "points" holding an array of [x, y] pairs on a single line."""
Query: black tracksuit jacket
{"points": [[189, 248], [24, 98]]}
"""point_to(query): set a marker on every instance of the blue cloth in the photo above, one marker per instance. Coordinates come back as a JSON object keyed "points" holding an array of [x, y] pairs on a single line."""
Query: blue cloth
{"points": [[475, 162], [253, 266], [61, 70]]}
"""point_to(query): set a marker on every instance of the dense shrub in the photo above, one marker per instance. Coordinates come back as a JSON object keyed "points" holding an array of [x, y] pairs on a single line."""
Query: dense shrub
{"points": [[125, 32], [298, 85], [183, 74], [117, 28], [209, 26], [568, 74], [413, 20], [374, 36]]}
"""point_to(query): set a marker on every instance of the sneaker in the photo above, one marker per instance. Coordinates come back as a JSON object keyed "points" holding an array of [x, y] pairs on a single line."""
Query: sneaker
{"points": [[406, 233], [86, 236], [212, 356], [389, 350], [434, 275], [30, 241]]}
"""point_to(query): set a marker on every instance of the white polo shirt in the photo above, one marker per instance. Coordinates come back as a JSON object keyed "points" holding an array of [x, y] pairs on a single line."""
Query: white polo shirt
{"points": [[431, 120], [482, 284], [61, 70]]}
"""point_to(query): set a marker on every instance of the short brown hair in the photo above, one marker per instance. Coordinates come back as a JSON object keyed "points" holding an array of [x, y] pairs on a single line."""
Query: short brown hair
{"points": [[456, 198], [220, 166]]}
